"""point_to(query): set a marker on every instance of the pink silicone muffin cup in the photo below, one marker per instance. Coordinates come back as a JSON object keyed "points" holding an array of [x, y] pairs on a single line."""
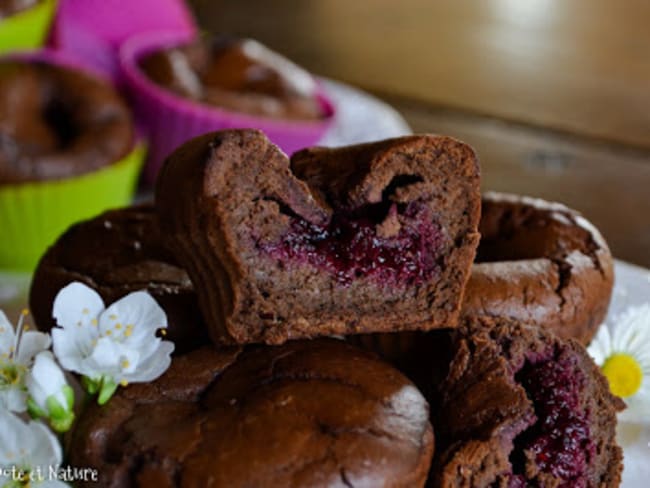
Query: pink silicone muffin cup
{"points": [[169, 120], [94, 30]]}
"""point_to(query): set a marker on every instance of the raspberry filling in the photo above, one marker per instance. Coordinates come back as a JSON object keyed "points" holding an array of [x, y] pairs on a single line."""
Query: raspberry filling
{"points": [[398, 245], [559, 441]]}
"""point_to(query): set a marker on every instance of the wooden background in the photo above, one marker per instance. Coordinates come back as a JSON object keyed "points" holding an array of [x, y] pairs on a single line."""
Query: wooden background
{"points": [[553, 94]]}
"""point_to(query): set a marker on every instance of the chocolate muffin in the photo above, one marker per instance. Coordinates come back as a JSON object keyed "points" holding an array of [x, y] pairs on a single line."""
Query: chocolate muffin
{"points": [[57, 122], [521, 407], [240, 75], [117, 253], [308, 413], [541, 263], [369, 238]]}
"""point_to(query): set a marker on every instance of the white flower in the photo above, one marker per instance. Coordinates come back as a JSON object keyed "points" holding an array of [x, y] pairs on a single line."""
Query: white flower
{"points": [[622, 350], [113, 346], [27, 451], [50, 396], [17, 351]]}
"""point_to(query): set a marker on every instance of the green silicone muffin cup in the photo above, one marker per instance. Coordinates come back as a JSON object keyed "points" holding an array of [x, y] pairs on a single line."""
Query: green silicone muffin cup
{"points": [[33, 215], [27, 29]]}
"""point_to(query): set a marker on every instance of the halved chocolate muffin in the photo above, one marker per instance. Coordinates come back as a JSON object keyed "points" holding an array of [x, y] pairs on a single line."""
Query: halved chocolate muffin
{"points": [[308, 413], [521, 407], [542, 263], [116, 253], [368, 238]]}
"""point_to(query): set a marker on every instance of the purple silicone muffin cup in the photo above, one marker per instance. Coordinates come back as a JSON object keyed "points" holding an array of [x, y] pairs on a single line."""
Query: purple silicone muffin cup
{"points": [[169, 120], [94, 30]]}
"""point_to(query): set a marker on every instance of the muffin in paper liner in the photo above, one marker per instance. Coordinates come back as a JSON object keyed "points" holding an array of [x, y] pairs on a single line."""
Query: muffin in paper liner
{"points": [[27, 29], [33, 215], [169, 119]]}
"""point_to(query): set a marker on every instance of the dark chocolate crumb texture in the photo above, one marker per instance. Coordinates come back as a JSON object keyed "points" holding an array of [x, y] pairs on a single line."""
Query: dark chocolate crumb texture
{"points": [[523, 408], [369, 238], [308, 413]]}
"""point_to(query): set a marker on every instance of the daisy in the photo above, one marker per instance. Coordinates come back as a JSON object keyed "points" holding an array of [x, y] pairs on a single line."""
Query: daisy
{"points": [[622, 350]]}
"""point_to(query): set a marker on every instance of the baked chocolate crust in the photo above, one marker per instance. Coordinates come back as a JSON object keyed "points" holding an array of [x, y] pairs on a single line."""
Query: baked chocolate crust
{"points": [[373, 238], [57, 122], [541, 263], [116, 253], [308, 413], [521, 407]]}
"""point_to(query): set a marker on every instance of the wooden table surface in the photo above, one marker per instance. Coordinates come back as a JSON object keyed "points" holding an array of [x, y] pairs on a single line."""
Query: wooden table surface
{"points": [[553, 94]]}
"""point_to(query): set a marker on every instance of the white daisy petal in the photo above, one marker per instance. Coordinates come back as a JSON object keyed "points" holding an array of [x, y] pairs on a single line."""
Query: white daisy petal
{"points": [[76, 303], [600, 346]]}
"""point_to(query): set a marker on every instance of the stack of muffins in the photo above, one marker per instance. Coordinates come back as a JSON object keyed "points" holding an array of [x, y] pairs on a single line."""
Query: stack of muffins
{"points": [[331, 324]]}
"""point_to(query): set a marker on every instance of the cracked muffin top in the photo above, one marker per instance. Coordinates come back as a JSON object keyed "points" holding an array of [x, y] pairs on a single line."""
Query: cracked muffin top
{"points": [[308, 413], [542, 263]]}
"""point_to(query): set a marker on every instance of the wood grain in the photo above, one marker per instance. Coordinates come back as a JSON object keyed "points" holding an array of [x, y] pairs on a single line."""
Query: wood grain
{"points": [[581, 66]]}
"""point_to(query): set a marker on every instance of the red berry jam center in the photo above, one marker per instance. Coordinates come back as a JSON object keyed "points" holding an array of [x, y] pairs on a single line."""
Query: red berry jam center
{"points": [[559, 439], [351, 246]]}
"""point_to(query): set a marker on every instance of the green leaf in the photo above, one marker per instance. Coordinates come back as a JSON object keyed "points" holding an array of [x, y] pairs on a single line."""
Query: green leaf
{"points": [[107, 389]]}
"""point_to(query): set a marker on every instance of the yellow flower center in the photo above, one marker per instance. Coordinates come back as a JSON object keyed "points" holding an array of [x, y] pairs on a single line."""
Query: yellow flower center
{"points": [[624, 374]]}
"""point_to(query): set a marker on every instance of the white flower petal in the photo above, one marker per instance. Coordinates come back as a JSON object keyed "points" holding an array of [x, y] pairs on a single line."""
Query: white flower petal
{"points": [[27, 445], [76, 303], [31, 343], [13, 399], [7, 334], [154, 366], [632, 328], [105, 356], [600, 347], [73, 346], [138, 310], [45, 449], [12, 430]]}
